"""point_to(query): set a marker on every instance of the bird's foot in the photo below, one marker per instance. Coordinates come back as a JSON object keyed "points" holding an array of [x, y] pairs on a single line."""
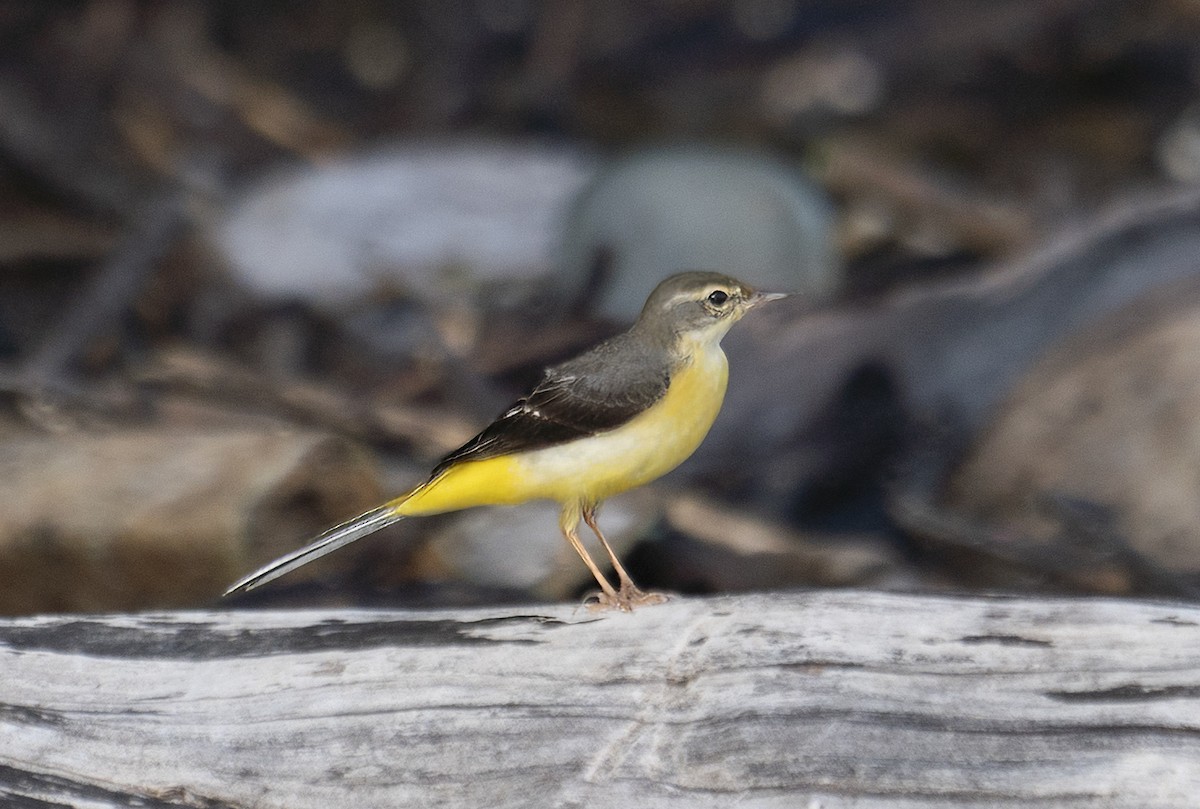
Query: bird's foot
{"points": [[626, 599]]}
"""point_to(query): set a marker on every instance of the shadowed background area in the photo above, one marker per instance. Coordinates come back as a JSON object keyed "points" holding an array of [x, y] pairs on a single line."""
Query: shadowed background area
{"points": [[261, 265]]}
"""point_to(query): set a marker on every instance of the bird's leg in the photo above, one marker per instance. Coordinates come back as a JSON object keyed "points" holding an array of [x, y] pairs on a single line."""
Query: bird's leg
{"points": [[568, 521], [630, 595]]}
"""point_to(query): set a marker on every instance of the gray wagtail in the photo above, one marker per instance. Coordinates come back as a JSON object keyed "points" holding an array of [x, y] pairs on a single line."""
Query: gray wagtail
{"points": [[618, 416]]}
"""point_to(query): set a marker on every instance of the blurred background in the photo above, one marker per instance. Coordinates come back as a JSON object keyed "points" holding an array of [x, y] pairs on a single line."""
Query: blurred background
{"points": [[262, 264]]}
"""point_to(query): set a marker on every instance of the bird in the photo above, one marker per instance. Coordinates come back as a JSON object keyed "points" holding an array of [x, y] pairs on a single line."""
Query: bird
{"points": [[616, 417]]}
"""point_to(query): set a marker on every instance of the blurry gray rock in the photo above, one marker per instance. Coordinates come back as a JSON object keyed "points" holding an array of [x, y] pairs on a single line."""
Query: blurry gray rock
{"points": [[948, 353], [1112, 418], [1178, 148], [430, 219], [664, 210]]}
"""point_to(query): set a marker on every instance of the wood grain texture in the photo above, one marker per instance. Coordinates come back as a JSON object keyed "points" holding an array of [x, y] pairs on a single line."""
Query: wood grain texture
{"points": [[832, 699]]}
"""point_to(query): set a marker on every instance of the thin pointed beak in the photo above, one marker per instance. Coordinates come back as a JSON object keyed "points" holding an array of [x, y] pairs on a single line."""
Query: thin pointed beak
{"points": [[766, 297]]}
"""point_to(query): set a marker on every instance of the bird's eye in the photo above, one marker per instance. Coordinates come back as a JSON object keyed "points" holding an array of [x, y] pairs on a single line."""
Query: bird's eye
{"points": [[718, 297]]}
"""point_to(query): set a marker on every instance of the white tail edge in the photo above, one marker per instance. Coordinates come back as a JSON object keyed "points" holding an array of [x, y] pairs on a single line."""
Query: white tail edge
{"points": [[327, 542]]}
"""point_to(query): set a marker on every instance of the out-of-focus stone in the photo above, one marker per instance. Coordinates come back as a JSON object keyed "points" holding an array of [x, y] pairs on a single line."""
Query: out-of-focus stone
{"points": [[162, 518], [1178, 148], [430, 219], [1111, 418], [664, 210]]}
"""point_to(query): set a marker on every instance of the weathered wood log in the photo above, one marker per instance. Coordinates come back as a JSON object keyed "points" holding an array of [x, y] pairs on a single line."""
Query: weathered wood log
{"points": [[829, 699]]}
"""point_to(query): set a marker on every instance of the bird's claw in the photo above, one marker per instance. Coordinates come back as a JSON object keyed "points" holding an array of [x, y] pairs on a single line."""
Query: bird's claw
{"points": [[626, 599]]}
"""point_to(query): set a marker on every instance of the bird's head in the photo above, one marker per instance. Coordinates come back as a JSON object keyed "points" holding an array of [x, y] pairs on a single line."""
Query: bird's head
{"points": [[699, 306]]}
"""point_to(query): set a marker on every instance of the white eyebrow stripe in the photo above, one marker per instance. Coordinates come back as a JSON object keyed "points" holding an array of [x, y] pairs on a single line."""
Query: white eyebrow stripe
{"points": [[687, 296]]}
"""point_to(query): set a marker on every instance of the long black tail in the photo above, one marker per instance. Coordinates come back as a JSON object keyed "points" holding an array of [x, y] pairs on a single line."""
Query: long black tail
{"points": [[328, 542]]}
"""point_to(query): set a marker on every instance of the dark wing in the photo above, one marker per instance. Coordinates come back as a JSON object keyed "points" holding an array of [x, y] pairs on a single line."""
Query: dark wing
{"points": [[596, 392]]}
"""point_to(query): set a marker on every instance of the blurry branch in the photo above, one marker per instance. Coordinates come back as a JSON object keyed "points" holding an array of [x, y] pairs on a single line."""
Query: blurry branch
{"points": [[1087, 554], [946, 530], [555, 51], [77, 152], [208, 377], [1094, 527], [40, 233], [786, 555], [266, 108], [45, 379], [39, 139], [112, 291], [858, 171]]}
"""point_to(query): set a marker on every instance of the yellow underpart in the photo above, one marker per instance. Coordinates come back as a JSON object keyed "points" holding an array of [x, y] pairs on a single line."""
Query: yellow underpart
{"points": [[594, 468]]}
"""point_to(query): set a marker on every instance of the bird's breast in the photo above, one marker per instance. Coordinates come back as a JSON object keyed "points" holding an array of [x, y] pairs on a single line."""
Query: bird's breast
{"points": [[644, 448]]}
